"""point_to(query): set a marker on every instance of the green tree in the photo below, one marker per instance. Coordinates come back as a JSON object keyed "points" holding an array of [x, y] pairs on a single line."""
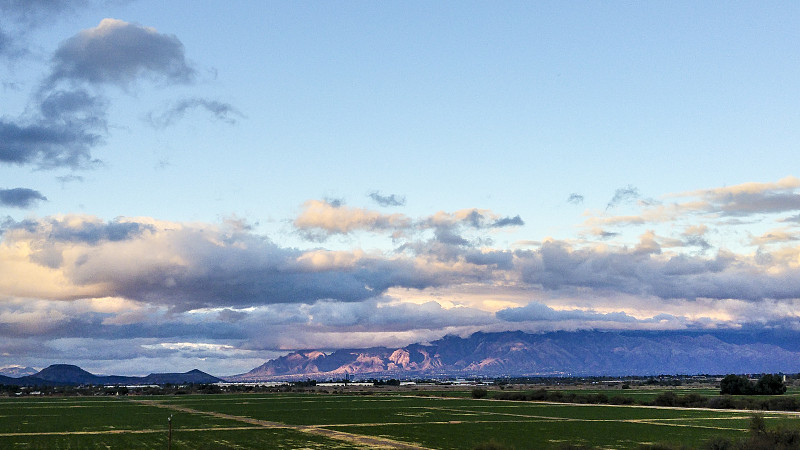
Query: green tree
{"points": [[770, 384], [736, 385]]}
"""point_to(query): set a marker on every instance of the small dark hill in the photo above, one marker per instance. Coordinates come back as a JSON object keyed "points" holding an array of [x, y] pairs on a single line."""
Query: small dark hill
{"points": [[191, 377], [67, 374]]}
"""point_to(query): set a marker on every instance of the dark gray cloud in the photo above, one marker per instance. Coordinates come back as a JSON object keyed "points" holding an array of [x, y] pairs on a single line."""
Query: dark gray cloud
{"points": [[68, 126], [64, 179], [93, 233], [508, 222], [697, 241], [448, 231], [92, 325], [18, 17], [86, 232], [223, 112], [623, 195], [118, 53], [575, 199], [748, 198], [32, 12], [7, 45], [473, 218], [535, 311], [20, 197], [334, 202], [387, 200], [74, 106], [500, 259], [744, 204], [446, 235], [374, 316], [605, 234], [71, 122], [48, 144], [557, 266]]}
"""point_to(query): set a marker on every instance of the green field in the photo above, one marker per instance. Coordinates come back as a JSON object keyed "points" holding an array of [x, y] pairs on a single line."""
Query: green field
{"points": [[336, 421]]}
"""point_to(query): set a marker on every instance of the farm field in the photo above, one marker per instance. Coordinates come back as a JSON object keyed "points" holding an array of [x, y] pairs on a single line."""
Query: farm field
{"points": [[294, 420]]}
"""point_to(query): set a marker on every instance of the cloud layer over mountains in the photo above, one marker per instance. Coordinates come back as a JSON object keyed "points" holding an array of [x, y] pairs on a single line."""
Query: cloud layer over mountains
{"points": [[76, 278]]}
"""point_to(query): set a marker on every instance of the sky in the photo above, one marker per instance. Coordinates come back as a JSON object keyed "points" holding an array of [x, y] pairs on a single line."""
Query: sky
{"points": [[212, 184]]}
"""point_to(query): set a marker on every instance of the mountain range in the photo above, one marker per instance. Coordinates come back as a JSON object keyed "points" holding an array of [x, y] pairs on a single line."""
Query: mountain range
{"points": [[581, 353], [501, 354], [66, 374]]}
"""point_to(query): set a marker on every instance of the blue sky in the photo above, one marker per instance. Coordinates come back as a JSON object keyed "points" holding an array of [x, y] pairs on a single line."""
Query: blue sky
{"points": [[218, 184]]}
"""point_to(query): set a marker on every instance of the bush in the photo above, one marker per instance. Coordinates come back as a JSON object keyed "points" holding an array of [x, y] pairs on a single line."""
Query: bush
{"points": [[620, 400], [490, 445], [719, 443], [666, 399], [757, 424], [479, 393]]}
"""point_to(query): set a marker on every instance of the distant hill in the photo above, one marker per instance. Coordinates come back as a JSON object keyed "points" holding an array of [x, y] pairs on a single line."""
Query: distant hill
{"points": [[66, 374], [549, 354], [17, 371]]}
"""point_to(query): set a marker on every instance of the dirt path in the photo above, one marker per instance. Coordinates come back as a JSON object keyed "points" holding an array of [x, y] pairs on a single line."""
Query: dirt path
{"points": [[358, 439]]}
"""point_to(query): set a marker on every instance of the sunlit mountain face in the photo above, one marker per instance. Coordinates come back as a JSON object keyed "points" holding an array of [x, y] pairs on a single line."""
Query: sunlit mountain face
{"points": [[550, 354]]}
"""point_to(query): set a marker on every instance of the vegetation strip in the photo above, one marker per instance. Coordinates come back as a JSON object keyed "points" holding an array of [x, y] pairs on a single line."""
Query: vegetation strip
{"points": [[371, 441], [150, 431]]}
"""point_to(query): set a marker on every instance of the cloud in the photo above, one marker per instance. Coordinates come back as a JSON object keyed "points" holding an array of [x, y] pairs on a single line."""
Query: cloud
{"points": [[223, 112], [321, 219], [69, 121], [575, 199], [603, 234], [776, 236], [374, 315], [189, 266], [645, 271], [327, 218], [30, 12], [535, 311], [508, 222], [20, 197], [68, 126], [446, 235], [118, 53], [472, 218], [740, 204], [387, 200], [74, 106], [47, 145], [8, 47], [623, 195], [64, 179], [750, 198], [21, 16]]}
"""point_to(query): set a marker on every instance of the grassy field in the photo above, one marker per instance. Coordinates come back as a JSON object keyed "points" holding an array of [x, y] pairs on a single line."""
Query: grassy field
{"points": [[336, 421]]}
